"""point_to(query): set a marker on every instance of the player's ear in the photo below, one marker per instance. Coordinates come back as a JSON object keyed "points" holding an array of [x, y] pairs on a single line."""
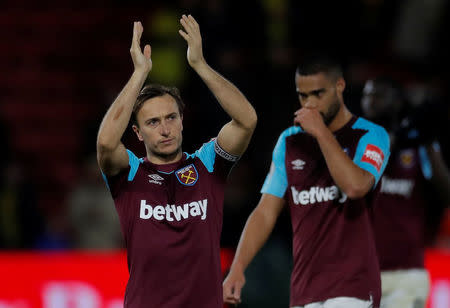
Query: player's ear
{"points": [[138, 134], [340, 84]]}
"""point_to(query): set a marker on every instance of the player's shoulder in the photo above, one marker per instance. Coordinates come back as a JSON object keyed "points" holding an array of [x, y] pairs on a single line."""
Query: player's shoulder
{"points": [[205, 149], [291, 131], [371, 127]]}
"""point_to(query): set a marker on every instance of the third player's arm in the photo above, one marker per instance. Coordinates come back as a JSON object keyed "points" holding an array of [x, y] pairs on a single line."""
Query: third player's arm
{"points": [[440, 175], [235, 135], [354, 181], [256, 231]]}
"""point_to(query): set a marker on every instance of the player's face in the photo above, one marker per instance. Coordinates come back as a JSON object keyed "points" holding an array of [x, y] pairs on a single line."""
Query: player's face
{"points": [[160, 126], [376, 101], [321, 92]]}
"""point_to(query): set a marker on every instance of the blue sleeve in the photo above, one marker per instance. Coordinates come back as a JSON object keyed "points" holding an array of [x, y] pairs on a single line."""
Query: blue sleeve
{"points": [[207, 154], [373, 149], [133, 162], [425, 163], [276, 181]]}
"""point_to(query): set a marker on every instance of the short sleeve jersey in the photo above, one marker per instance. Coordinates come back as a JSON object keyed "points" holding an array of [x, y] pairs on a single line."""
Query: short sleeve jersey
{"points": [[171, 219], [333, 242], [400, 210]]}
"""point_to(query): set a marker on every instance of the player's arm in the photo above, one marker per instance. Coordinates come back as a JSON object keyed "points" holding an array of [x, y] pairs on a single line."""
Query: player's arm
{"points": [[256, 231], [111, 153], [354, 181], [440, 177], [235, 135]]}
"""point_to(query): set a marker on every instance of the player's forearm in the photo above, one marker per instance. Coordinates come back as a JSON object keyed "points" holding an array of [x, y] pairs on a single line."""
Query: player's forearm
{"points": [[118, 115], [229, 97], [352, 180], [440, 174], [255, 234]]}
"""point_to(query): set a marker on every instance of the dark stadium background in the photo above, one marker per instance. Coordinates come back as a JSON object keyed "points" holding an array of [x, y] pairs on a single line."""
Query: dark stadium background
{"points": [[63, 62]]}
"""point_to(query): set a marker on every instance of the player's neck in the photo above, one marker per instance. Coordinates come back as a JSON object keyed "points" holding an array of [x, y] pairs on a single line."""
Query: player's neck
{"points": [[163, 159], [343, 116]]}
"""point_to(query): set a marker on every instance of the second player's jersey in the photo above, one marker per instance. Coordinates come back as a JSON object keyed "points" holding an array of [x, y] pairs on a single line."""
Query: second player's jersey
{"points": [[400, 210], [171, 219], [333, 242]]}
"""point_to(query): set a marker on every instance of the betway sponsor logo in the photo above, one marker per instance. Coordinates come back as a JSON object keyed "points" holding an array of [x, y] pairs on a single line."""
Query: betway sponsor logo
{"points": [[317, 195], [174, 212], [401, 187]]}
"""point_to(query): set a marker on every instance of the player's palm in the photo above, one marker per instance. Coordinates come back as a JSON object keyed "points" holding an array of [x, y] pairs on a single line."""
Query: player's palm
{"points": [[141, 60], [193, 37]]}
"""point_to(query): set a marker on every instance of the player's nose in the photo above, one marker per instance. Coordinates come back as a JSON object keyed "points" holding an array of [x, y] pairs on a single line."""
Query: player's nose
{"points": [[165, 129], [310, 104]]}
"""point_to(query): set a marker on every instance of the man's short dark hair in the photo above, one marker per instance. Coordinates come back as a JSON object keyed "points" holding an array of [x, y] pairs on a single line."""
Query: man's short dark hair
{"points": [[316, 64], [155, 90]]}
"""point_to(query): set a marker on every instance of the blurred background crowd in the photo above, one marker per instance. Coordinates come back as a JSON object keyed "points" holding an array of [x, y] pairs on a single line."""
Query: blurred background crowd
{"points": [[63, 63]]}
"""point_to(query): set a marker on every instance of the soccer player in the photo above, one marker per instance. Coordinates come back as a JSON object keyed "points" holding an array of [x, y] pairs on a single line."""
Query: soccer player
{"points": [[170, 203], [400, 205], [323, 167]]}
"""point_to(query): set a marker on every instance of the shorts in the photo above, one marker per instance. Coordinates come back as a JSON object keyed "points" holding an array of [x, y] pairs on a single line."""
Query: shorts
{"points": [[340, 302], [404, 288]]}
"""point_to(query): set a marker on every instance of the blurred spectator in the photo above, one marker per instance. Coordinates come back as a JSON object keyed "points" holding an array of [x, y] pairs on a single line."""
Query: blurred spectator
{"points": [[20, 220], [90, 211]]}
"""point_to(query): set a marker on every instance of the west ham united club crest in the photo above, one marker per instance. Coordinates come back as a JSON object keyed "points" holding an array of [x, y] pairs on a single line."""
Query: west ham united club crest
{"points": [[187, 175], [407, 158]]}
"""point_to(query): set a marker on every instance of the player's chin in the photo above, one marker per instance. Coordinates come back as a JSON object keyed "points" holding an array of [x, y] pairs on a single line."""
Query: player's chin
{"points": [[170, 150]]}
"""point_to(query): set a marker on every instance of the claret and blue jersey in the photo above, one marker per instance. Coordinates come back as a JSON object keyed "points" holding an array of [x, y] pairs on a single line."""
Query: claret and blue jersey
{"points": [[400, 209], [333, 243], [171, 219]]}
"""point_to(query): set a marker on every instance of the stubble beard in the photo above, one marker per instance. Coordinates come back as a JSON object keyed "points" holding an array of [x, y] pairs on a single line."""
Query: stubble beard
{"points": [[331, 113], [167, 155]]}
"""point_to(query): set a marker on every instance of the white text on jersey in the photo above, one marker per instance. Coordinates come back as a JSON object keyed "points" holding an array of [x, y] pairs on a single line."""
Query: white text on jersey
{"points": [[317, 194], [401, 187], [171, 212]]}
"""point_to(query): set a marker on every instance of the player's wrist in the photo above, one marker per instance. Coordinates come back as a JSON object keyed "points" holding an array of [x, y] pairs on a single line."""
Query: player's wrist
{"points": [[322, 133], [237, 267], [199, 65], [140, 74]]}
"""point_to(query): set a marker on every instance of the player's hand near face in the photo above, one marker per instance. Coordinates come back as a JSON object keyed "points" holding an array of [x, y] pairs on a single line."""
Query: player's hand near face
{"points": [[232, 287], [141, 60], [310, 119], [193, 37]]}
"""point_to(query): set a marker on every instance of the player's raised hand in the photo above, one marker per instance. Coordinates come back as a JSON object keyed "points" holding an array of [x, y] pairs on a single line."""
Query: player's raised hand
{"points": [[141, 60], [232, 287], [193, 37], [310, 119]]}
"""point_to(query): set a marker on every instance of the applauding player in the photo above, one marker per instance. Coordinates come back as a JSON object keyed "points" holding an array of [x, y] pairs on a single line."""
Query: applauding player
{"points": [[169, 202], [323, 168]]}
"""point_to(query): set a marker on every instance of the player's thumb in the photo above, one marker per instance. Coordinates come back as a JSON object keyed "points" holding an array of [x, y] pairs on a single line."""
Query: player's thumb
{"points": [[147, 51]]}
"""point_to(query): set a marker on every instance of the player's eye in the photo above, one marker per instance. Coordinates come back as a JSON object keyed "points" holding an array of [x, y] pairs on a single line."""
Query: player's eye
{"points": [[318, 93], [152, 122]]}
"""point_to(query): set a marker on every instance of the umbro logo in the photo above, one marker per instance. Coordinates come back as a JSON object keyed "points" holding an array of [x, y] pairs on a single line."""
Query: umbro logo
{"points": [[297, 164], [155, 178]]}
